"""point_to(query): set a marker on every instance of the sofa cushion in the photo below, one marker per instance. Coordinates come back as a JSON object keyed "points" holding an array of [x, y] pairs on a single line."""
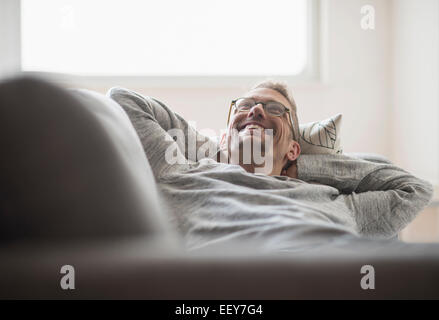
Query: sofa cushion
{"points": [[321, 137]]}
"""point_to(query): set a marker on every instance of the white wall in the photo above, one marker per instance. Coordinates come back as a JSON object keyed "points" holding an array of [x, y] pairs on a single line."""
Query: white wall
{"points": [[357, 69], [415, 79]]}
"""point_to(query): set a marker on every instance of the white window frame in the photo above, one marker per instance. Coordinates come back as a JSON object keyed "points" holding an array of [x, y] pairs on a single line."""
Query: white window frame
{"points": [[310, 74]]}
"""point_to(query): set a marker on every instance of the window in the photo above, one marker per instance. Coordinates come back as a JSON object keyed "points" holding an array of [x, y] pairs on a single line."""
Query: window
{"points": [[167, 37]]}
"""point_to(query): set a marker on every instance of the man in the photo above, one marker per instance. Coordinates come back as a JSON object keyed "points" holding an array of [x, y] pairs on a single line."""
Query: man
{"points": [[256, 114], [300, 202]]}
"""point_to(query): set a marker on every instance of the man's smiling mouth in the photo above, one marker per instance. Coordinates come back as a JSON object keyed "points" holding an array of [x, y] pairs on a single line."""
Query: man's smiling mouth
{"points": [[253, 126]]}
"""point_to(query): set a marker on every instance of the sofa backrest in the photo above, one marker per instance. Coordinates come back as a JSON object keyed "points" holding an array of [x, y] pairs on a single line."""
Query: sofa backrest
{"points": [[71, 168]]}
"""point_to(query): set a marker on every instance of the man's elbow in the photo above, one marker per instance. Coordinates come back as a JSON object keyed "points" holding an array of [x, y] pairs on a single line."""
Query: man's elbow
{"points": [[423, 190]]}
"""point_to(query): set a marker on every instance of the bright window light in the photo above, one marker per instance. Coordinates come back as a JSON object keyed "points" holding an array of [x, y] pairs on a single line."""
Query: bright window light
{"points": [[165, 38]]}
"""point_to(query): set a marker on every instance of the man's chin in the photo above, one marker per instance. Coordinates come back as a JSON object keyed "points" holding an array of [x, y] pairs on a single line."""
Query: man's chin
{"points": [[254, 137], [252, 155], [250, 147]]}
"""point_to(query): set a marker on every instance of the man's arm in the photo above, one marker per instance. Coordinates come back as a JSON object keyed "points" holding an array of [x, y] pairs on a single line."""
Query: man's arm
{"points": [[382, 197], [154, 122]]}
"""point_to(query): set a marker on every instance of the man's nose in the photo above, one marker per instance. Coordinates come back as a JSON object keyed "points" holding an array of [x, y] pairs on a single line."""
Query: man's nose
{"points": [[257, 111]]}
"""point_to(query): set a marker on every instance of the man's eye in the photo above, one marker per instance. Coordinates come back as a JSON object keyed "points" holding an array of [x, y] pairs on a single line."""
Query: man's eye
{"points": [[274, 109]]}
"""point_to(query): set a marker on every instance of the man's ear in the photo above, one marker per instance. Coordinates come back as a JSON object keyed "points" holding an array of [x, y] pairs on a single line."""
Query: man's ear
{"points": [[293, 150]]}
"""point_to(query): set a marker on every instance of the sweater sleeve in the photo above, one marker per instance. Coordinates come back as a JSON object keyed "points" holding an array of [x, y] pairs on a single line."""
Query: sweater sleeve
{"points": [[382, 197], [167, 138]]}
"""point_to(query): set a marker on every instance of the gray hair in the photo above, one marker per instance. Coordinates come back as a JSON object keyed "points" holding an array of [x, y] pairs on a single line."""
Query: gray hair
{"points": [[282, 88]]}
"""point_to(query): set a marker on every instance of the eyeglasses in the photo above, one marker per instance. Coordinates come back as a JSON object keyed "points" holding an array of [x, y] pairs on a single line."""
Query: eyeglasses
{"points": [[273, 108]]}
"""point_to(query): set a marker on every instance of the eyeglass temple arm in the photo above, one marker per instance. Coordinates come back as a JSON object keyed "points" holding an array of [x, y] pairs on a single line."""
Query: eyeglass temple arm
{"points": [[230, 111]]}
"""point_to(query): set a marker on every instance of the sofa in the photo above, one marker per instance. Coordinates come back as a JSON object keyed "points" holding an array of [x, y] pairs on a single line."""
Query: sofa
{"points": [[76, 190]]}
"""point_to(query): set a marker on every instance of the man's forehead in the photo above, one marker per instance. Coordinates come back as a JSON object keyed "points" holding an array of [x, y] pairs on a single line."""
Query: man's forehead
{"points": [[266, 94]]}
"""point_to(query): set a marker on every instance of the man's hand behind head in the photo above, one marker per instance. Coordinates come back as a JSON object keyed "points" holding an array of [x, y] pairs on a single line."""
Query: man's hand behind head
{"points": [[291, 171]]}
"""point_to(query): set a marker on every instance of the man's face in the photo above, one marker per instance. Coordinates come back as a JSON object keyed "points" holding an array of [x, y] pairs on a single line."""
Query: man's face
{"points": [[246, 125]]}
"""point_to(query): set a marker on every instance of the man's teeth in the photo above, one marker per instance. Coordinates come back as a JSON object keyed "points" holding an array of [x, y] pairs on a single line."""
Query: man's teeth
{"points": [[254, 126]]}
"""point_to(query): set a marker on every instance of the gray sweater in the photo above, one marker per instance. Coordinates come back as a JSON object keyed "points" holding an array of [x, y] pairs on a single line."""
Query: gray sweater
{"points": [[334, 197]]}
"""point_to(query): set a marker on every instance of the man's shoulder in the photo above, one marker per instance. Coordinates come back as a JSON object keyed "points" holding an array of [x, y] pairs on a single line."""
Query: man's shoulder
{"points": [[126, 96], [115, 92]]}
